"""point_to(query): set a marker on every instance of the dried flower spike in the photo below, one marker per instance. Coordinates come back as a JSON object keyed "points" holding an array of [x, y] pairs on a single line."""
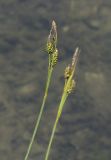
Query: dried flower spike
{"points": [[53, 33], [51, 46], [75, 57], [52, 38], [69, 73]]}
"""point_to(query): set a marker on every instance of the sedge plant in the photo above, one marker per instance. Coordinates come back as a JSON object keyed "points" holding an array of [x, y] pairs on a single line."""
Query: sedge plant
{"points": [[68, 88], [53, 56]]}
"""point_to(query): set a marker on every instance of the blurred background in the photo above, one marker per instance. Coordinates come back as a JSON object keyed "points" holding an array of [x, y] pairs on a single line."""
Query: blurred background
{"points": [[84, 130]]}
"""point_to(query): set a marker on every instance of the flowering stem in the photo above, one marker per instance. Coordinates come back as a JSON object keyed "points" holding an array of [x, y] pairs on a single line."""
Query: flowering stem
{"points": [[68, 87], [40, 113], [63, 99]]}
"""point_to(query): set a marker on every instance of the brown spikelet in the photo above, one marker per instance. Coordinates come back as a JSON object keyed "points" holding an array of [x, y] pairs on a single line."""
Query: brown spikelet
{"points": [[70, 72], [52, 39], [53, 34], [75, 57]]}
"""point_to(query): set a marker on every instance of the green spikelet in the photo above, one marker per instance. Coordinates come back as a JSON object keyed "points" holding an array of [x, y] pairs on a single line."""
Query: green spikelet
{"points": [[54, 58], [67, 72], [49, 48]]}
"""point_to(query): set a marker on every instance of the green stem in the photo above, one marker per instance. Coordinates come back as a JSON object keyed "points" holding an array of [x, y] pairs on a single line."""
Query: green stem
{"points": [[40, 113], [63, 99]]}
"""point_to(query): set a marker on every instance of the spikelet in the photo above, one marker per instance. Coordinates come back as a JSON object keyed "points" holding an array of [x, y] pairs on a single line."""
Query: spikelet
{"points": [[52, 39], [75, 57], [54, 58], [53, 34], [67, 72], [49, 48]]}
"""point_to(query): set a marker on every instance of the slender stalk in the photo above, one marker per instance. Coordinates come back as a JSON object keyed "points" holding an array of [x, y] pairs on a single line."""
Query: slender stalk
{"points": [[68, 87], [53, 56], [41, 111], [63, 99]]}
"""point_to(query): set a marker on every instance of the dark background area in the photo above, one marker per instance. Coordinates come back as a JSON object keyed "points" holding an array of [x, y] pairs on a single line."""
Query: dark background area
{"points": [[84, 130]]}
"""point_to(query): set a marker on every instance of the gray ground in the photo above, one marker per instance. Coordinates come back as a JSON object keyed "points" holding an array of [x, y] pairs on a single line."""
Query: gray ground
{"points": [[84, 130]]}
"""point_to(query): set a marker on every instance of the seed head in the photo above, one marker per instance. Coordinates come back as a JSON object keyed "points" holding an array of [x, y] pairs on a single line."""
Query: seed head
{"points": [[69, 73], [53, 33], [52, 38]]}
